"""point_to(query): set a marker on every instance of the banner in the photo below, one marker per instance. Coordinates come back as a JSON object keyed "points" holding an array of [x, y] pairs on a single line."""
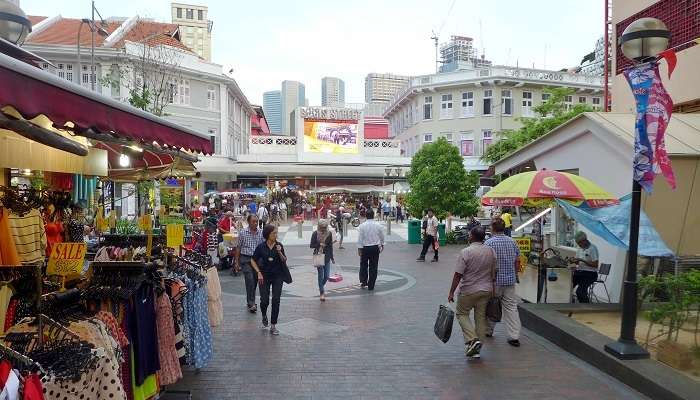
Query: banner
{"points": [[66, 259], [654, 108], [330, 137]]}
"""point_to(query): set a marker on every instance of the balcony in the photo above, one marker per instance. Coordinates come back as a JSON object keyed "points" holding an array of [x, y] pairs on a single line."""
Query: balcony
{"points": [[273, 145], [381, 148]]}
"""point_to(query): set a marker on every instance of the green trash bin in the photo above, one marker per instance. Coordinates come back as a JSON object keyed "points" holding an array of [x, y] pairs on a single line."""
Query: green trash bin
{"points": [[442, 235], [414, 231]]}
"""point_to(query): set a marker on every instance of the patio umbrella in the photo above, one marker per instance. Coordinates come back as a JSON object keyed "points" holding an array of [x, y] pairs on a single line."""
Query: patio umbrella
{"points": [[539, 188]]}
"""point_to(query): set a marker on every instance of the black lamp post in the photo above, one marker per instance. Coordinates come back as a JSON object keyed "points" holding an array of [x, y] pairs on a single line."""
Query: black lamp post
{"points": [[641, 41], [14, 24]]}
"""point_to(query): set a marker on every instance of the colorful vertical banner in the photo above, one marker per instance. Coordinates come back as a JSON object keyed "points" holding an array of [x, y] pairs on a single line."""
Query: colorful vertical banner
{"points": [[654, 107]]}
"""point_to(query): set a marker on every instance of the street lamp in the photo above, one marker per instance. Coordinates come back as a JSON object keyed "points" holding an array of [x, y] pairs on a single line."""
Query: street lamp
{"points": [[641, 41], [93, 29], [14, 24]]}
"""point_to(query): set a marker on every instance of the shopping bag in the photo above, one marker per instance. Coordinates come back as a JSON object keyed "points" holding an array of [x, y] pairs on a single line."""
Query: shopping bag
{"points": [[494, 311], [336, 275], [443, 323], [319, 260]]}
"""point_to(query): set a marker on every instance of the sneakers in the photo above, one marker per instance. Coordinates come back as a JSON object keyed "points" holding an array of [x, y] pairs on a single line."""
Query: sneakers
{"points": [[514, 342], [434, 260], [420, 259], [274, 331], [472, 349], [264, 321]]}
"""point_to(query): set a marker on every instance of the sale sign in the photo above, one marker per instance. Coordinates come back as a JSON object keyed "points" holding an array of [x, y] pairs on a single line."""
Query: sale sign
{"points": [[524, 244], [66, 259]]}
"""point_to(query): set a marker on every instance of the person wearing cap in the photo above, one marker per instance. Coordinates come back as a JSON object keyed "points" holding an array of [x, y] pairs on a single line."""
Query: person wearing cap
{"points": [[586, 270]]}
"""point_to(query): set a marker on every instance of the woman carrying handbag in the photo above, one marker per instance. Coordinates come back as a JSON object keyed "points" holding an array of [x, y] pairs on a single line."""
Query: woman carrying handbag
{"points": [[270, 263], [322, 243]]}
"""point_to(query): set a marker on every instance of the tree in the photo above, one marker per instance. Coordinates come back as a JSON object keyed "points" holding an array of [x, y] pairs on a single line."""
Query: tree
{"points": [[149, 72], [439, 181], [552, 113]]}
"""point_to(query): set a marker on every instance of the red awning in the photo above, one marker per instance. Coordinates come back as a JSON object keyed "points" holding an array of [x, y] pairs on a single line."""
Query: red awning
{"points": [[32, 92]]}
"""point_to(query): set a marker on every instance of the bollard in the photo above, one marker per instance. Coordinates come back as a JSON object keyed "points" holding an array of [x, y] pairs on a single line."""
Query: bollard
{"points": [[301, 225], [388, 226]]}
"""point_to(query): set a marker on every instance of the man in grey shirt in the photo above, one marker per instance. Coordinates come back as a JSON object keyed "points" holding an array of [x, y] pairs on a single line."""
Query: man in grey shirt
{"points": [[475, 273]]}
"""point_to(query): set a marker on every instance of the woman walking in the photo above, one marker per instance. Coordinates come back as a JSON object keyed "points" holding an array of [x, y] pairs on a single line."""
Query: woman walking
{"points": [[269, 262], [322, 243]]}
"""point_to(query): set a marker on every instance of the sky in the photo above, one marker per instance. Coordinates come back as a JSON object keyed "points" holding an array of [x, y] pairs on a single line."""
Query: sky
{"points": [[268, 41]]}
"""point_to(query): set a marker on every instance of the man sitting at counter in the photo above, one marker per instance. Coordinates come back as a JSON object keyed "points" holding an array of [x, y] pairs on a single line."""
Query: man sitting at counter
{"points": [[586, 272]]}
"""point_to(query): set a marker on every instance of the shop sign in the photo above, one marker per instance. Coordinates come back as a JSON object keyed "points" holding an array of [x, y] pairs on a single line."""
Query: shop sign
{"points": [[326, 113], [524, 244], [66, 259]]}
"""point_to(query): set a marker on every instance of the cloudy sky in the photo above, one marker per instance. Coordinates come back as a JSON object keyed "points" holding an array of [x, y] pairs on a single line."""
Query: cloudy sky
{"points": [[267, 41]]}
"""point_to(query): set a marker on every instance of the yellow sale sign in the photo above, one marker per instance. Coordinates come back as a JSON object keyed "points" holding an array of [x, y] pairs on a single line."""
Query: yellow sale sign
{"points": [[66, 259], [523, 244]]}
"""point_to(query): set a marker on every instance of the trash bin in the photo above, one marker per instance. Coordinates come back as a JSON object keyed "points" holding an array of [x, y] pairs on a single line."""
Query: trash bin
{"points": [[414, 231], [442, 235]]}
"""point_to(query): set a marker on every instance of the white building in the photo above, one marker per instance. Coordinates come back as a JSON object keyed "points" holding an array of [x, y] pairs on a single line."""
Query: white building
{"points": [[332, 92], [469, 107], [199, 95], [195, 27], [381, 88], [293, 96]]}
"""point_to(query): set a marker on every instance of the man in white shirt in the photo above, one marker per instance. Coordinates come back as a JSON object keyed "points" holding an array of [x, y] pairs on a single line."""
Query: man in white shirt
{"points": [[370, 243], [283, 210], [586, 272], [430, 236], [263, 215]]}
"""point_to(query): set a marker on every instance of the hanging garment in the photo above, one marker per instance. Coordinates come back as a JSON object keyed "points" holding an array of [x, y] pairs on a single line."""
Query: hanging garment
{"points": [[99, 383], [11, 389], [11, 314], [144, 335], [32, 388], [8, 250], [201, 346], [29, 236], [170, 371], [214, 304], [5, 298], [54, 234]]}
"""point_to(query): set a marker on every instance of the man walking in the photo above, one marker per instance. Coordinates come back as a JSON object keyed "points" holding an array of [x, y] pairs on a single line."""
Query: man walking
{"points": [[430, 234], [248, 240], [283, 210], [475, 274], [263, 215], [369, 244], [508, 256]]}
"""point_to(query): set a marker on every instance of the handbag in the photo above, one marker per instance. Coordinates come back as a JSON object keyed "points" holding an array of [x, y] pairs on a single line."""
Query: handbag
{"points": [[443, 323], [319, 260], [286, 274], [494, 309]]}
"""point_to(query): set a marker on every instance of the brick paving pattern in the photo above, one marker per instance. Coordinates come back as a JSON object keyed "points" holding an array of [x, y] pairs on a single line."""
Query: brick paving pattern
{"points": [[381, 346]]}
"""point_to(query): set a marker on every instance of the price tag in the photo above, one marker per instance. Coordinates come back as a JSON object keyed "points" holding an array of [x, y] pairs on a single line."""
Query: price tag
{"points": [[67, 259], [524, 244]]}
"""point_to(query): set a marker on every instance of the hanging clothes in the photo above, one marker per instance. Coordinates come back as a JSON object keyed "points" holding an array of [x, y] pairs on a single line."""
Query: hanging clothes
{"points": [[5, 298], [29, 236], [143, 333], [32, 388], [54, 234], [214, 304], [170, 371], [201, 346], [8, 250]]}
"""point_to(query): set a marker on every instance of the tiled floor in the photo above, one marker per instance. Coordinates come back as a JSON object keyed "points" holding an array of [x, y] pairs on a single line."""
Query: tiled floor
{"points": [[380, 346]]}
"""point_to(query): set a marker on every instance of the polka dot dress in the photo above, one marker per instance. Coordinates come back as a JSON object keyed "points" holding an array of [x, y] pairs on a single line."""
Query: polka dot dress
{"points": [[100, 383]]}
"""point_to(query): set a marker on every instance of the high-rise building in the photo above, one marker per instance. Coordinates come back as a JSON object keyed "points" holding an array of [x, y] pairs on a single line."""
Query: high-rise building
{"points": [[293, 96], [332, 92], [272, 106], [460, 54], [195, 27], [381, 88]]}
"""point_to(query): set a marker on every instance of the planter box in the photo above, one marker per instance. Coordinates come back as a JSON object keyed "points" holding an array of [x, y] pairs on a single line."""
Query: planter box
{"points": [[674, 354]]}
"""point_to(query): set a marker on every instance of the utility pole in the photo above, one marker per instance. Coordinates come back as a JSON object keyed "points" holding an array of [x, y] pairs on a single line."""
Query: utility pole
{"points": [[437, 63], [92, 51]]}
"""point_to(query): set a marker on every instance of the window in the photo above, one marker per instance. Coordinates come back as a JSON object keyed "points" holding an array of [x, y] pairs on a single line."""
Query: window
{"points": [[200, 14], [179, 12], [488, 94], [466, 144], [448, 137], [190, 13], [428, 107], [428, 138], [527, 104], [506, 102], [596, 103], [582, 100], [180, 92], [467, 104], [568, 102], [546, 96], [211, 97], [217, 144], [487, 140], [446, 106]]}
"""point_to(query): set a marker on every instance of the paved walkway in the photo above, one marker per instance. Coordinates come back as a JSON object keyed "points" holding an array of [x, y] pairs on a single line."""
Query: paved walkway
{"points": [[289, 234], [361, 345]]}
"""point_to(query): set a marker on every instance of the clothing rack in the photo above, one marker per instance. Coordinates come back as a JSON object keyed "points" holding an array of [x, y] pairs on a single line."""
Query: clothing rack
{"points": [[19, 358], [22, 270]]}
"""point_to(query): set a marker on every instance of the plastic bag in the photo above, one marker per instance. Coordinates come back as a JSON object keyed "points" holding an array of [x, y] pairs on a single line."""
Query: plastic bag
{"points": [[443, 323]]}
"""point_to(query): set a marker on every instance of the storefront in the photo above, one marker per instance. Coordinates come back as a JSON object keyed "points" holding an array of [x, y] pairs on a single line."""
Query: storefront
{"points": [[59, 146]]}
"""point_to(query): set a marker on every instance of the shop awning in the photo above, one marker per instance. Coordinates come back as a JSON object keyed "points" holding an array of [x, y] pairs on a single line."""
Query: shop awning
{"points": [[32, 92], [612, 224]]}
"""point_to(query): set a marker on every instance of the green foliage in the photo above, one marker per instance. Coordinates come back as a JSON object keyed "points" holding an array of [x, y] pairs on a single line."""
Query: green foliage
{"points": [[552, 113], [126, 227], [439, 181], [676, 297]]}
